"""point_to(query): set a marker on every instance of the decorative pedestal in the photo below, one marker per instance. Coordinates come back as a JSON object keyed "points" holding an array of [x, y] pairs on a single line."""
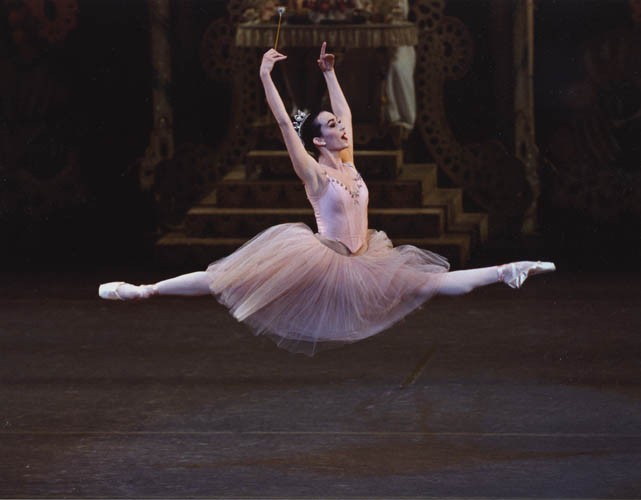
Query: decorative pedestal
{"points": [[363, 57]]}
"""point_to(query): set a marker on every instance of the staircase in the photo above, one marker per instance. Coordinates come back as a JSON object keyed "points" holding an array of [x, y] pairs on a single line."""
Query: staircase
{"points": [[405, 202]]}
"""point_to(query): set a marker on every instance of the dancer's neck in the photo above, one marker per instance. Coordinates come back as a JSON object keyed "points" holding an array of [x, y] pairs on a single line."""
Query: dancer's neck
{"points": [[331, 159]]}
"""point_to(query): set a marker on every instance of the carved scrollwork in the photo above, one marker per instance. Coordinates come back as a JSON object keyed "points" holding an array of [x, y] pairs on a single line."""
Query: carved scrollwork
{"points": [[223, 61], [427, 14], [490, 175], [216, 50], [457, 47], [194, 168]]}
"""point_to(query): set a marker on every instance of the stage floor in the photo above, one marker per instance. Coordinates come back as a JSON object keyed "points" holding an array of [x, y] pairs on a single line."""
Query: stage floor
{"points": [[534, 393]]}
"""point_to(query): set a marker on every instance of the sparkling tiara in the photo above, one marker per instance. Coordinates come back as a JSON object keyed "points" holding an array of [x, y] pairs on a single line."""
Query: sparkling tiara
{"points": [[299, 118]]}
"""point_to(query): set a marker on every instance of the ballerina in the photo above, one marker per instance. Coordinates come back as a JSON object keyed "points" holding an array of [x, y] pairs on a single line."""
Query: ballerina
{"points": [[347, 282]]}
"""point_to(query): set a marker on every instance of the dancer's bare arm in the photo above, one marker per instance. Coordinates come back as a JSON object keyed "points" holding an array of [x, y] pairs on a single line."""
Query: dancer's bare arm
{"points": [[340, 107], [305, 165]]}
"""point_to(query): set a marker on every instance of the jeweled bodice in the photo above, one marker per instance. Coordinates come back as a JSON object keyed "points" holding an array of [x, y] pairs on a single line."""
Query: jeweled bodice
{"points": [[341, 209]]}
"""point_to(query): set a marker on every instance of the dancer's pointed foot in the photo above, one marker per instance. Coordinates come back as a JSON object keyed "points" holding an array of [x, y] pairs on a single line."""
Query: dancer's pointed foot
{"points": [[119, 290], [515, 273]]}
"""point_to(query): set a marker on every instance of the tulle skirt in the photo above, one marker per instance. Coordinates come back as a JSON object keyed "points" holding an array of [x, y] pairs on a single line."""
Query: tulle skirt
{"points": [[287, 284]]}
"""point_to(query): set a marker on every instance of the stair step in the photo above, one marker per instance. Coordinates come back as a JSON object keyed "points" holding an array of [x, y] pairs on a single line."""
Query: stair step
{"points": [[262, 194], [408, 222], [208, 221], [211, 200], [405, 202], [236, 192], [451, 199], [177, 249], [407, 190], [426, 172], [474, 223], [384, 164]]}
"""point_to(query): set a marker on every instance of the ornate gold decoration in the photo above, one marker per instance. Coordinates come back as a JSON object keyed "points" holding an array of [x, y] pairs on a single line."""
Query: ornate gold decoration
{"points": [[490, 175], [352, 36], [223, 61], [494, 178]]}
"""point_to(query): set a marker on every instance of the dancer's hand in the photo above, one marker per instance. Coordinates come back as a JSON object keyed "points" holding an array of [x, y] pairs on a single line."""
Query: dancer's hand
{"points": [[325, 61], [270, 58]]}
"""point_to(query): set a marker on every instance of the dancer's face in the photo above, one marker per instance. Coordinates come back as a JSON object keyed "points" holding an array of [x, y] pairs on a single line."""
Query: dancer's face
{"points": [[334, 137]]}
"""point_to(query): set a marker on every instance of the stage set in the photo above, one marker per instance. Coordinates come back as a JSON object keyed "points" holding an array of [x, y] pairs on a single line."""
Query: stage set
{"points": [[136, 144]]}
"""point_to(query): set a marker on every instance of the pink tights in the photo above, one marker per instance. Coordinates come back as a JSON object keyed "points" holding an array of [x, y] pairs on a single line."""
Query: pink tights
{"points": [[452, 283], [192, 284], [462, 282]]}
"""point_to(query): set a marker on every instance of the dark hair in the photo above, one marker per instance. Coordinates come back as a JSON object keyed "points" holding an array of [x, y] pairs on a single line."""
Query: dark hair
{"points": [[311, 128]]}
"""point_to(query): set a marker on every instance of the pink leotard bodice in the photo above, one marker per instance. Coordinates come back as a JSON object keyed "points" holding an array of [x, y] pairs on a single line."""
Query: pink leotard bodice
{"points": [[341, 213]]}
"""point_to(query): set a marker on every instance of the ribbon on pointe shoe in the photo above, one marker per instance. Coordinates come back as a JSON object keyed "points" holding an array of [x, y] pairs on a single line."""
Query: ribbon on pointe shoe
{"points": [[515, 273]]}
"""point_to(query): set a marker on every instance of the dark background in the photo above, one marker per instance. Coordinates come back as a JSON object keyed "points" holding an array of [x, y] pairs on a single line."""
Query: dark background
{"points": [[75, 117]]}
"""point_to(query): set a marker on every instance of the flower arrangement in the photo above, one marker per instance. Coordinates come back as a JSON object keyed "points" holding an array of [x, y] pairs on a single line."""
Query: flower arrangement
{"points": [[323, 11], [353, 11], [328, 6], [318, 11]]}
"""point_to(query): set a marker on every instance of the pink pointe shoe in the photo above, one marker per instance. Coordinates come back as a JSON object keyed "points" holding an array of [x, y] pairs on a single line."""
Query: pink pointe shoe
{"points": [[515, 273], [119, 290]]}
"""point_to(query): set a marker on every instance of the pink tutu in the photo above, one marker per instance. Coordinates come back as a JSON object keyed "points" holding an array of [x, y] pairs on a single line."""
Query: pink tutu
{"points": [[287, 284]]}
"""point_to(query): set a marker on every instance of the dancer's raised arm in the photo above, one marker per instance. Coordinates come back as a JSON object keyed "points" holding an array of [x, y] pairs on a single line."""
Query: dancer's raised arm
{"points": [[305, 166], [340, 107]]}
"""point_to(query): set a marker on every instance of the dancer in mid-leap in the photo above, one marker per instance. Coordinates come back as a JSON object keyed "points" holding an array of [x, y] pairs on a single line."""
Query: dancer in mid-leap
{"points": [[342, 284]]}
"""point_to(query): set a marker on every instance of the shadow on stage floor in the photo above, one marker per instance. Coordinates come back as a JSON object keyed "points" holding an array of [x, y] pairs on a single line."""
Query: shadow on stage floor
{"points": [[534, 393]]}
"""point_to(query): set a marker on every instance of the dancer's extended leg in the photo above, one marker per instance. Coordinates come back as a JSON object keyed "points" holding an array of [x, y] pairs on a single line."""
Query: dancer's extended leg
{"points": [[513, 274], [192, 284], [462, 282]]}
